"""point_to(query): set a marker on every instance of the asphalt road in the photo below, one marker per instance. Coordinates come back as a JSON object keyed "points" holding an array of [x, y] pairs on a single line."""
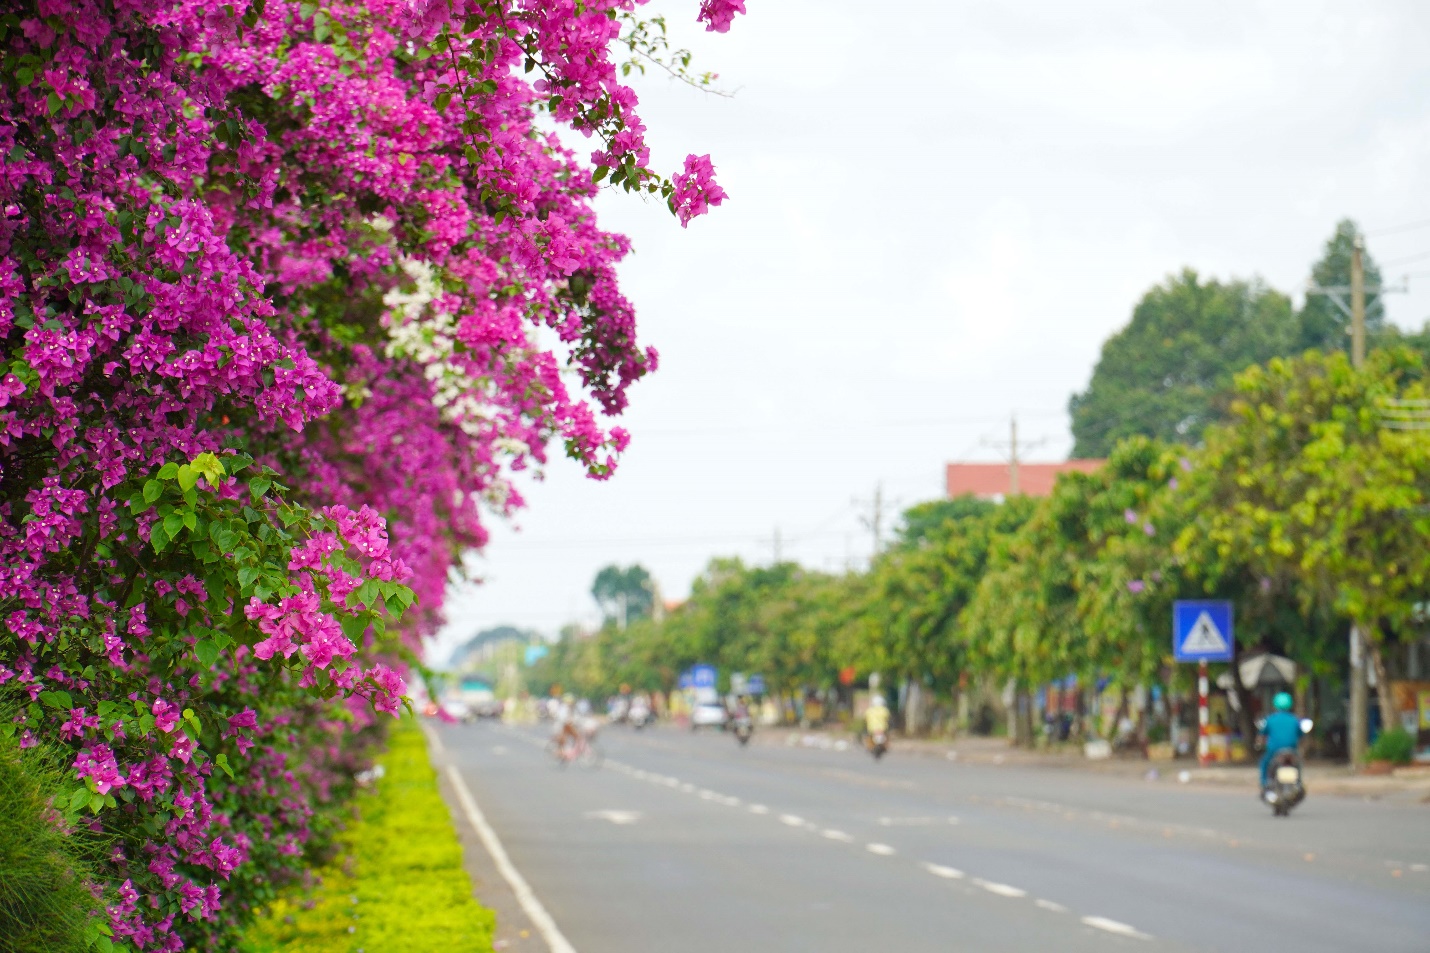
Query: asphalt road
{"points": [[686, 843]]}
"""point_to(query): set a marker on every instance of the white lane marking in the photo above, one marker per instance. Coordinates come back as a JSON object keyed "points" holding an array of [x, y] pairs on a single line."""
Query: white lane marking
{"points": [[759, 809], [1419, 868], [883, 850], [915, 821], [1049, 905], [947, 873], [840, 836], [434, 739], [1115, 926], [1002, 890], [793, 820], [615, 817], [686, 787], [706, 795], [535, 912], [499, 749]]}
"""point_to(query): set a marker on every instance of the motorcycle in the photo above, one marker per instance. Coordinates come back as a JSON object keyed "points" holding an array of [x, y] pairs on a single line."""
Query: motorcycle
{"points": [[638, 717], [878, 744], [1284, 787], [744, 728]]}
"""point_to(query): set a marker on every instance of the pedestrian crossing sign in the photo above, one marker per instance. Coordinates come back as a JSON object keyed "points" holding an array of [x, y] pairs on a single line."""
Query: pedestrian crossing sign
{"points": [[1202, 631]]}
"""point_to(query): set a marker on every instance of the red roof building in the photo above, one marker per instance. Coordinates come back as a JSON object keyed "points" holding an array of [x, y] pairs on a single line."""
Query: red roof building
{"points": [[994, 481]]}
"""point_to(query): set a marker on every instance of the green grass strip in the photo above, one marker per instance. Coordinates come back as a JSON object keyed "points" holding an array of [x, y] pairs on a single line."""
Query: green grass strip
{"points": [[399, 885]]}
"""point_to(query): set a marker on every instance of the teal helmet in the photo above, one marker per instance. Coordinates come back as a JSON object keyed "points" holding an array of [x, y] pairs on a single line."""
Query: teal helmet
{"points": [[1282, 701]]}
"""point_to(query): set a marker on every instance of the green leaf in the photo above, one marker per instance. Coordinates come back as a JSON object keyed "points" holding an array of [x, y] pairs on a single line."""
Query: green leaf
{"points": [[168, 471], [188, 476], [208, 465], [60, 700], [246, 575], [96, 801], [258, 486], [222, 761], [78, 799], [153, 489], [207, 652], [173, 523]]}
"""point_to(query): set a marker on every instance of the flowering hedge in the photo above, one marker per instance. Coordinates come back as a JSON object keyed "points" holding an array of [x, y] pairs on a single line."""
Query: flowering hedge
{"points": [[288, 290]]}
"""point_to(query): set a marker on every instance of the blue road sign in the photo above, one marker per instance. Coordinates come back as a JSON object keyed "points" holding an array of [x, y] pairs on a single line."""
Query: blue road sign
{"points": [[535, 653], [686, 680], [1202, 631], [755, 685], [703, 676]]}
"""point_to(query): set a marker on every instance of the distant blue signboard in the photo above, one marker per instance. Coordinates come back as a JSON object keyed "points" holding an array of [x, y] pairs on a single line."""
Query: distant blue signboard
{"points": [[755, 684], [1202, 631], [702, 676], [686, 680], [534, 653]]}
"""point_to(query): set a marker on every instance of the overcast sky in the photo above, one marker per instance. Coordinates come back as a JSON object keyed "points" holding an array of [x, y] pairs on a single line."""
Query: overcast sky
{"points": [[938, 212]]}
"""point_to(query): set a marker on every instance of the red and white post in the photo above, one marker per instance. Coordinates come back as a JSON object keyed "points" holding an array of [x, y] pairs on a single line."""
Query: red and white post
{"points": [[1204, 751]]}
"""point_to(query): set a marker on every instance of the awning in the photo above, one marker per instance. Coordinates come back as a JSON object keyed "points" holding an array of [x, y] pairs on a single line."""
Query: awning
{"points": [[1263, 670]]}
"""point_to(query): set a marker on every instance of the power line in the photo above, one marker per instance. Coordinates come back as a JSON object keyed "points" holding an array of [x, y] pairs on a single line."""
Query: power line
{"points": [[1393, 229]]}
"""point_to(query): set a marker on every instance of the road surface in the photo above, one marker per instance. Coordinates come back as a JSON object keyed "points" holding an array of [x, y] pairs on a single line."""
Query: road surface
{"points": [[685, 843]]}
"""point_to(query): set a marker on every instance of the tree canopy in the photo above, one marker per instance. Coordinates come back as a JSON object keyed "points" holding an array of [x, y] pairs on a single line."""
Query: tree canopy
{"points": [[1164, 374]]}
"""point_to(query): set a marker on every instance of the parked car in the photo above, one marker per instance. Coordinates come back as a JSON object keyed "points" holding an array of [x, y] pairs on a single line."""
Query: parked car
{"points": [[458, 709], [708, 714]]}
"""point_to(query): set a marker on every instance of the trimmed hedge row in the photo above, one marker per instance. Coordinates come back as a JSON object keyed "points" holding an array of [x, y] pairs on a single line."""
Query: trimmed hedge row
{"points": [[398, 884]]}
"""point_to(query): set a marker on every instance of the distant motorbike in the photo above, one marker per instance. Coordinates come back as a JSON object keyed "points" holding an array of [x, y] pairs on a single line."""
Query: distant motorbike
{"points": [[744, 728], [1284, 787], [878, 744], [639, 716]]}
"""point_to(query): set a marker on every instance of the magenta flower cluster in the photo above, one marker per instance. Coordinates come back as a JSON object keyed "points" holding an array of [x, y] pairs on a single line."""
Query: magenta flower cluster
{"points": [[288, 292]]}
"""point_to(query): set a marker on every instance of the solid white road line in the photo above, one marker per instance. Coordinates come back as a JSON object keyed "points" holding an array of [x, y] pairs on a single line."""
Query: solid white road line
{"points": [[1049, 905], [1113, 926], [883, 850], [524, 894], [947, 873], [1002, 890]]}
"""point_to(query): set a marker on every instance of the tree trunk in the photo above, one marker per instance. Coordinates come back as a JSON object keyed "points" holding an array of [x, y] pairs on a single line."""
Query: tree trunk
{"points": [[1389, 717], [1243, 700]]}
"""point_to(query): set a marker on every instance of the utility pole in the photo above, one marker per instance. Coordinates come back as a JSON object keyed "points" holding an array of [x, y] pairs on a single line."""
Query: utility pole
{"points": [[1014, 482], [1358, 303], [1400, 417], [875, 520], [1013, 455]]}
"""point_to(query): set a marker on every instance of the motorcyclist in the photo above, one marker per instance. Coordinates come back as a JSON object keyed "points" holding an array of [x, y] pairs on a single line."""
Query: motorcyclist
{"points": [[1282, 731], [876, 717]]}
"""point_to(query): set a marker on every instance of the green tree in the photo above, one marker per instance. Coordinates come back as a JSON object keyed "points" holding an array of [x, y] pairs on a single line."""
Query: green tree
{"points": [[1163, 375], [925, 519], [624, 594], [1322, 325], [1307, 486]]}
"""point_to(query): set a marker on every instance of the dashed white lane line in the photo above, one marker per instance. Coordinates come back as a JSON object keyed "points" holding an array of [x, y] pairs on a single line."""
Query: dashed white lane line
{"points": [[1115, 926], [938, 870], [1002, 890], [947, 873]]}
